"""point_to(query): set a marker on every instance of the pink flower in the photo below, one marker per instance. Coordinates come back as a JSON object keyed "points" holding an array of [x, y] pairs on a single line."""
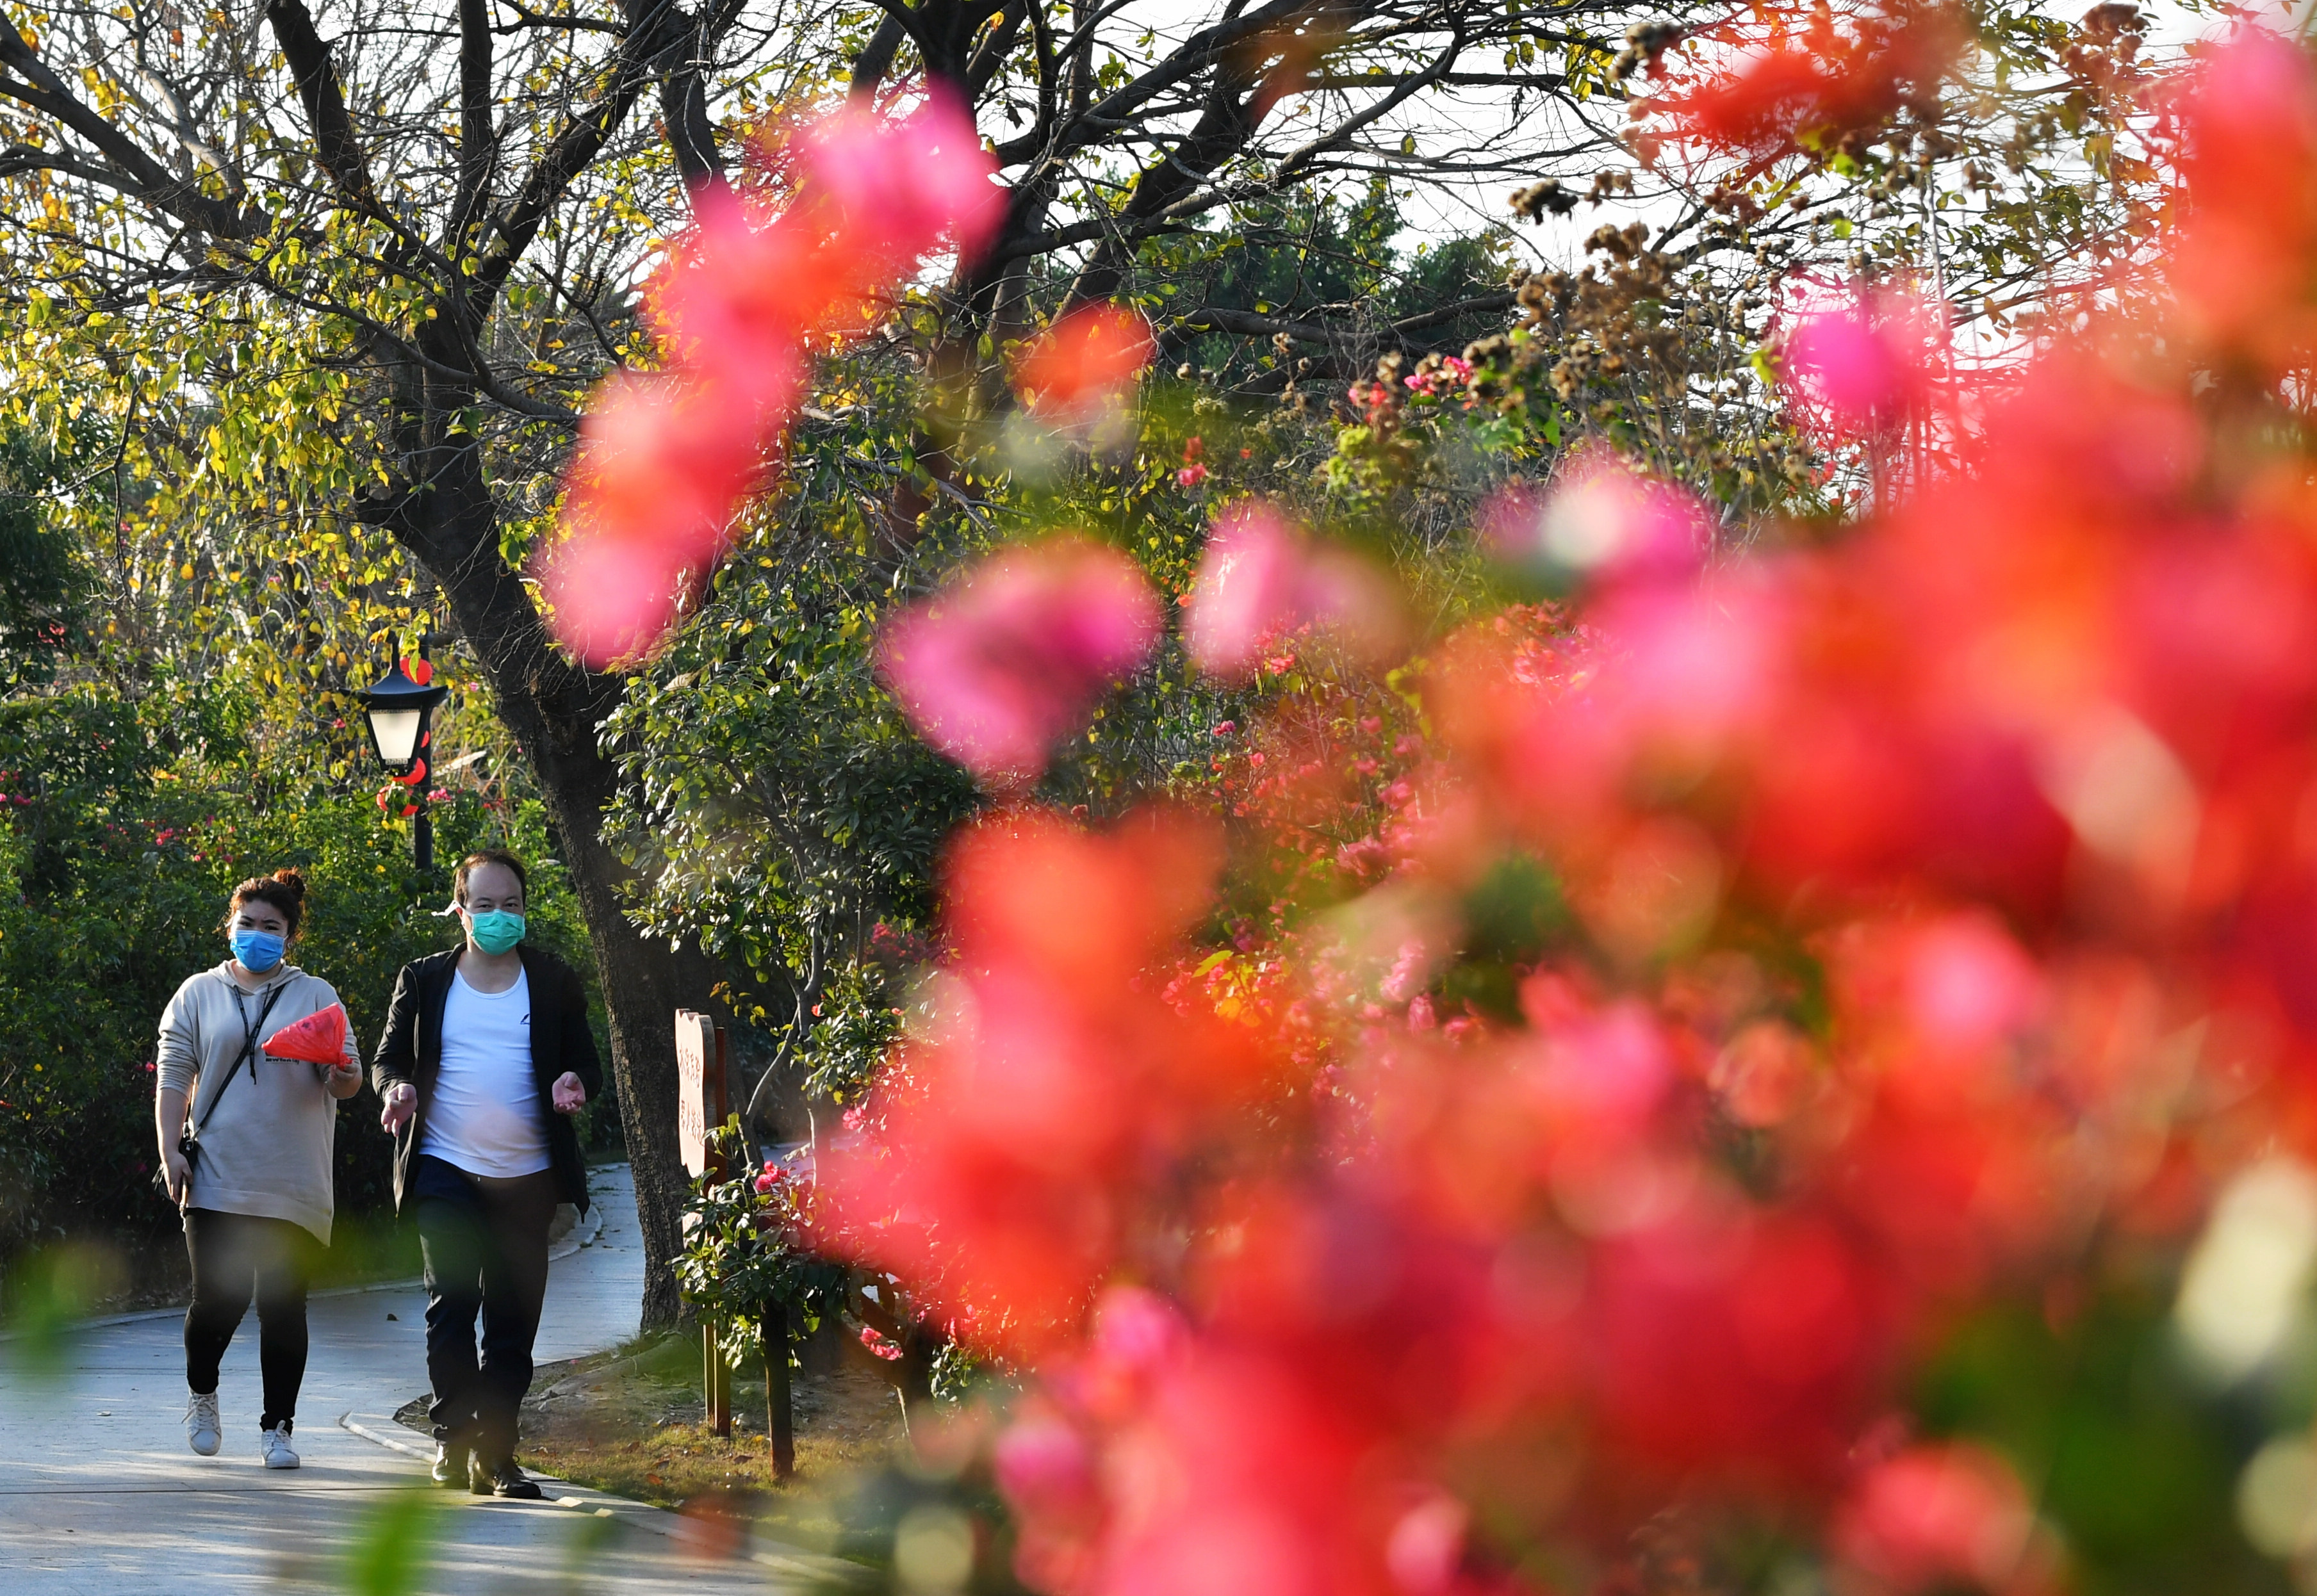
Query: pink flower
{"points": [[1856, 361], [1427, 1545], [1137, 1332], [610, 598], [905, 184], [744, 285], [1599, 517], [1011, 656], [1969, 983], [1937, 1517], [1452, 371], [663, 461], [1191, 475], [880, 1344], [1045, 1466], [1259, 576]]}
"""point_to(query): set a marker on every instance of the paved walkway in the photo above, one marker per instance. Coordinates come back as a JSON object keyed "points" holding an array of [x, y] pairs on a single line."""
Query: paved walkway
{"points": [[100, 1495]]}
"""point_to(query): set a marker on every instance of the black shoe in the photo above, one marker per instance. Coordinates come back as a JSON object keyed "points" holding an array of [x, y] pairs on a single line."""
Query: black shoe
{"points": [[504, 1479], [449, 1463]]}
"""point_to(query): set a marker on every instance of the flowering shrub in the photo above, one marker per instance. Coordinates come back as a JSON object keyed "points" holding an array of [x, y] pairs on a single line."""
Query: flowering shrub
{"points": [[742, 1257], [1569, 1142]]}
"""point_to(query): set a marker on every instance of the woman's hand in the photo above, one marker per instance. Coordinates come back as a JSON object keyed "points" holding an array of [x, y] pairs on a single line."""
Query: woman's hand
{"points": [[176, 1172], [401, 1102], [568, 1095]]}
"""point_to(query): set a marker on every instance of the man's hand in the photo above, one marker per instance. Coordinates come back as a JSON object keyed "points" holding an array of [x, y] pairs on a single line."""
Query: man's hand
{"points": [[177, 1172], [569, 1095], [401, 1102]]}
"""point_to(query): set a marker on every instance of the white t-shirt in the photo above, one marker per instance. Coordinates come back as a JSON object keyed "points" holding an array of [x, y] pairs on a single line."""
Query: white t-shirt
{"points": [[485, 1116]]}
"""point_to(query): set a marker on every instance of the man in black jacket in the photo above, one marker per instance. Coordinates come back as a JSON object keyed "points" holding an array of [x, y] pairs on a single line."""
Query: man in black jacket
{"points": [[487, 1056]]}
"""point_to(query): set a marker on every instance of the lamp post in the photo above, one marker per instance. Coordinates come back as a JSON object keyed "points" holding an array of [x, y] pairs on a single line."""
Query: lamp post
{"points": [[397, 710]]}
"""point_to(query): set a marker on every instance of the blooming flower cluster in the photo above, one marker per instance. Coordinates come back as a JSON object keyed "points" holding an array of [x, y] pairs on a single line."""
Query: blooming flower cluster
{"points": [[1193, 470], [1922, 910], [1821, 80], [665, 458], [1444, 376], [1940, 905]]}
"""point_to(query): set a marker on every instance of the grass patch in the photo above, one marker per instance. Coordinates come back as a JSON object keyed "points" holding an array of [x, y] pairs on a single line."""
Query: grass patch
{"points": [[628, 1422]]}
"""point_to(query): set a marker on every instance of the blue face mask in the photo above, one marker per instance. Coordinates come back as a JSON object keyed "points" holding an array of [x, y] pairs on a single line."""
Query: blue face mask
{"points": [[258, 951]]}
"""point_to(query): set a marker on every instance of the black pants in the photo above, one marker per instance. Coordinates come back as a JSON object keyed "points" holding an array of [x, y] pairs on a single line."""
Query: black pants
{"points": [[234, 1256], [485, 1244]]}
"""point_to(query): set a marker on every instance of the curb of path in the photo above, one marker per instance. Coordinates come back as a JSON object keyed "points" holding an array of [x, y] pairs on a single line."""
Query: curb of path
{"points": [[810, 1568], [582, 1234]]}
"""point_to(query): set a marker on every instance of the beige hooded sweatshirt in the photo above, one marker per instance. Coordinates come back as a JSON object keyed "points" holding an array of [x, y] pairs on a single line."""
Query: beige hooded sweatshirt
{"points": [[269, 1147]]}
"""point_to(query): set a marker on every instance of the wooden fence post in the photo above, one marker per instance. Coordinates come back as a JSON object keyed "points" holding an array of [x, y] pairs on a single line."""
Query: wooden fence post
{"points": [[716, 1380], [780, 1415], [703, 1099]]}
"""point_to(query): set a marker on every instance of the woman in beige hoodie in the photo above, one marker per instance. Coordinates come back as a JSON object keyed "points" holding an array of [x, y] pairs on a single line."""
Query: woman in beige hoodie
{"points": [[256, 1195]]}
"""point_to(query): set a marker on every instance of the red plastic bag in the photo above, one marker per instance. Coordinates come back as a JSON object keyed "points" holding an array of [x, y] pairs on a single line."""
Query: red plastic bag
{"points": [[320, 1038]]}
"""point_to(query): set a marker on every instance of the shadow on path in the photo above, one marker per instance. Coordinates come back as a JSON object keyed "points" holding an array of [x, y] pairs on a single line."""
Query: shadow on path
{"points": [[101, 1496]]}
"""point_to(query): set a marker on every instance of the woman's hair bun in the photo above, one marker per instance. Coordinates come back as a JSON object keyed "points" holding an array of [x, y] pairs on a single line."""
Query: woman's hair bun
{"points": [[285, 889]]}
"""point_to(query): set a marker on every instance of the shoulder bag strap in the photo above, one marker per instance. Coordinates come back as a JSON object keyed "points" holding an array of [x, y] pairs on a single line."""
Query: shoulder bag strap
{"points": [[249, 1052]]}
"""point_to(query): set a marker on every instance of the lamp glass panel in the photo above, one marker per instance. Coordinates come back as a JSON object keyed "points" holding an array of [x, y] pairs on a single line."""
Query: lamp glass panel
{"points": [[396, 731]]}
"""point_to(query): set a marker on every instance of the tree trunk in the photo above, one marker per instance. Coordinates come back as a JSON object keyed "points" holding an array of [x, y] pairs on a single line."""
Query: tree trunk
{"points": [[553, 707]]}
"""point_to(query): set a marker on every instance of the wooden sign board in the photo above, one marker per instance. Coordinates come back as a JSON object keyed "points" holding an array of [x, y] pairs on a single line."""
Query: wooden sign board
{"points": [[699, 1091]]}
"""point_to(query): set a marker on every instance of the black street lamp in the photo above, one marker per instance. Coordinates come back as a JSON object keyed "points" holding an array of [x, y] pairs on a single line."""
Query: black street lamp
{"points": [[397, 710]]}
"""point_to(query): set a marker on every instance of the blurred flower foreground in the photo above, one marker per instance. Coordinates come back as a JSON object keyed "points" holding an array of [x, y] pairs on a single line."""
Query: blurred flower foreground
{"points": [[1940, 898]]}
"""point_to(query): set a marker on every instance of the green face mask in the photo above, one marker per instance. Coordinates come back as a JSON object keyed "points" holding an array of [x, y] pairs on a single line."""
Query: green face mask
{"points": [[495, 932]]}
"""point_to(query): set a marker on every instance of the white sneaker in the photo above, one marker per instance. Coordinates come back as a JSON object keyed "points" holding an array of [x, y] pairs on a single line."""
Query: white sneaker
{"points": [[202, 1428], [278, 1454]]}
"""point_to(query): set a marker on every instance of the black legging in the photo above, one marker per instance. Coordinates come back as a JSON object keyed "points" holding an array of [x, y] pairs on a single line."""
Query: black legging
{"points": [[234, 1254]]}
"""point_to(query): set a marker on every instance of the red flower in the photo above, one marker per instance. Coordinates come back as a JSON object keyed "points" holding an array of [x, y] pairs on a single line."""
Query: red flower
{"points": [[1942, 1517], [1818, 87], [1083, 363], [1053, 1084]]}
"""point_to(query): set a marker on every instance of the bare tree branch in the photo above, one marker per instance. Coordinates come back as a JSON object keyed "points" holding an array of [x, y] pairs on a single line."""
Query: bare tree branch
{"points": [[37, 88], [335, 144]]}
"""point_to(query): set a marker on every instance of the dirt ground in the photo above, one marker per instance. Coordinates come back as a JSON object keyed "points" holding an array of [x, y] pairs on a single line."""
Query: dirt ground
{"points": [[629, 1421]]}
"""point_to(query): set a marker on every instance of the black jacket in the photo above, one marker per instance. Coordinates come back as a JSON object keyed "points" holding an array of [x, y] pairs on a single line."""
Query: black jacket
{"points": [[411, 1051]]}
